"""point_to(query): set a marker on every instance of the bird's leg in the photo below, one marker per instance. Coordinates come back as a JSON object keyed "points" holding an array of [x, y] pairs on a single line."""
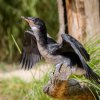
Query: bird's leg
{"points": [[77, 70], [58, 67], [62, 71]]}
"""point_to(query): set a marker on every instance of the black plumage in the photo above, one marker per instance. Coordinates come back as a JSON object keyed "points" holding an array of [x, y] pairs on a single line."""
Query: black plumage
{"points": [[30, 53], [39, 45]]}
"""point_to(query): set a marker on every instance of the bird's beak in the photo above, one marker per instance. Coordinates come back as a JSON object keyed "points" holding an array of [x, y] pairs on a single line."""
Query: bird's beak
{"points": [[24, 18], [30, 22], [27, 20]]}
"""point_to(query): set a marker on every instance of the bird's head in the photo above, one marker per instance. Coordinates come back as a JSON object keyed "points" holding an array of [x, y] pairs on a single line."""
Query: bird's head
{"points": [[36, 24]]}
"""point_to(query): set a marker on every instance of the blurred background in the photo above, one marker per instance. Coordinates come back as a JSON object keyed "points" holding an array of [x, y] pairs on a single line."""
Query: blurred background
{"points": [[15, 83]]}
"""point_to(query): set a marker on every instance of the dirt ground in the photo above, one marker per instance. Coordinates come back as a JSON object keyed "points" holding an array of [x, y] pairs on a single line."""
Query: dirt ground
{"points": [[27, 75]]}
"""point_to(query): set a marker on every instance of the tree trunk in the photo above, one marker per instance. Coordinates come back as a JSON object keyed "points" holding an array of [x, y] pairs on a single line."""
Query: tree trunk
{"points": [[83, 18]]}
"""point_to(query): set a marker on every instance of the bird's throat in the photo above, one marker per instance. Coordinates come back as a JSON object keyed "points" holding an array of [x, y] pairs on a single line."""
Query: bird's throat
{"points": [[41, 41], [42, 46]]}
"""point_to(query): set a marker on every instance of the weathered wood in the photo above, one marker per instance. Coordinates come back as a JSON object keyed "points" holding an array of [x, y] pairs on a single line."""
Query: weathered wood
{"points": [[83, 18], [61, 19], [62, 88]]}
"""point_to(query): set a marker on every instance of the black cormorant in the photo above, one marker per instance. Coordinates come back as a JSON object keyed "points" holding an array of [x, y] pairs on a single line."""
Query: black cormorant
{"points": [[38, 45]]}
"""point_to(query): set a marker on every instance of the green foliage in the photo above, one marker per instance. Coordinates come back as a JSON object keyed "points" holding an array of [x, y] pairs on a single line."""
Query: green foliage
{"points": [[10, 12], [48, 11], [16, 89], [11, 23]]}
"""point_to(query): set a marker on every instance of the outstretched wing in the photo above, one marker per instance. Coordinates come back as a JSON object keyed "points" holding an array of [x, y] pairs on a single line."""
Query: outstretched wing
{"points": [[30, 53], [72, 41], [81, 52]]}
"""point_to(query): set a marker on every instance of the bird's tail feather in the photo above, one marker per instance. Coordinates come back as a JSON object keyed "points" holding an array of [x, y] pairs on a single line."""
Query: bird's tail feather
{"points": [[92, 75], [89, 72]]}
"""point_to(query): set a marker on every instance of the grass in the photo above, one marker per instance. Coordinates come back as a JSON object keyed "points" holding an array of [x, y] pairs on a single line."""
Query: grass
{"points": [[16, 89]]}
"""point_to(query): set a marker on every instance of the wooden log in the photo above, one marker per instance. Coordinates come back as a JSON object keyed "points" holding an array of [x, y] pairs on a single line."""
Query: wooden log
{"points": [[62, 88]]}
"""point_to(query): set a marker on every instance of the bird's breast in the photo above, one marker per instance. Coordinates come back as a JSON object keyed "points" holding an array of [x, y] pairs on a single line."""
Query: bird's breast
{"points": [[53, 59]]}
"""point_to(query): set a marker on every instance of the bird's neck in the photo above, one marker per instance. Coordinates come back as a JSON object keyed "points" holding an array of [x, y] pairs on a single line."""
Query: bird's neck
{"points": [[41, 39], [42, 44]]}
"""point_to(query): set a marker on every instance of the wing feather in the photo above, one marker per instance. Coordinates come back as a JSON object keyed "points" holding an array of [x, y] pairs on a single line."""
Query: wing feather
{"points": [[78, 45], [89, 72], [30, 53]]}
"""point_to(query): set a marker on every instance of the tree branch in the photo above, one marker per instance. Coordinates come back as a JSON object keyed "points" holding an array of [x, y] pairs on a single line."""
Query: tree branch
{"points": [[61, 19]]}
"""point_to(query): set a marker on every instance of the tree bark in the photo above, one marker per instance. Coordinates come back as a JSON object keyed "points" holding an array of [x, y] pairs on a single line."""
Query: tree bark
{"points": [[62, 16], [83, 18]]}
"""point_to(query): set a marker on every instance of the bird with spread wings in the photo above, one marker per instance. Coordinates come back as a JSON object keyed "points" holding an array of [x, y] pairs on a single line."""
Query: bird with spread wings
{"points": [[37, 45]]}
